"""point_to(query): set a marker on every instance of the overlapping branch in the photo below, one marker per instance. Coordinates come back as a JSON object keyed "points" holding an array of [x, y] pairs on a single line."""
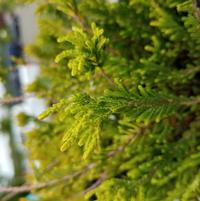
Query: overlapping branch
{"points": [[36, 187]]}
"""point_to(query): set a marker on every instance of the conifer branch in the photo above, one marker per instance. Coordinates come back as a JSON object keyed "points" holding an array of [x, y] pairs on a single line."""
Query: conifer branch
{"points": [[36, 187], [155, 47]]}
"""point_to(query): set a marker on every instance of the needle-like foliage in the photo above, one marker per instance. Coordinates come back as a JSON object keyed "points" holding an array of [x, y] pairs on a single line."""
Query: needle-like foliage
{"points": [[121, 80]]}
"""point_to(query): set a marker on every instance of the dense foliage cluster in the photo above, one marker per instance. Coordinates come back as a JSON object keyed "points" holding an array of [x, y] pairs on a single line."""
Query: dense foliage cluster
{"points": [[121, 80]]}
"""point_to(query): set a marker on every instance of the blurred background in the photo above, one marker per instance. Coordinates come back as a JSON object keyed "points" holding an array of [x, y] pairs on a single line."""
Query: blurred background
{"points": [[17, 29]]}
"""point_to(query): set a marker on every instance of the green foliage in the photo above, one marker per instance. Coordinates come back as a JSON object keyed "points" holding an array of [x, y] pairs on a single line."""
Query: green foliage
{"points": [[87, 51], [123, 191], [89, 114], [123, 94], [5, 125]]}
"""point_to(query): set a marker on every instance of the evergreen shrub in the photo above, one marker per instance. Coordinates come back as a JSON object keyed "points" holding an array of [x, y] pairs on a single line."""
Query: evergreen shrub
{"points": [[121, 81]]}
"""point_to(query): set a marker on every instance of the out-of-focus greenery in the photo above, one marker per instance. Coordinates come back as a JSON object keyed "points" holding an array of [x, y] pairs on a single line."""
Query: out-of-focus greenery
{"points": [[6, 5], [6, 120]]}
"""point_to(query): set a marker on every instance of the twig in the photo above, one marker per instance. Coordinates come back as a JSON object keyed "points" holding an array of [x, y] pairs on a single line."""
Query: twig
{"points": [[108, 78], [27, 188], [9, 196], [191, 102], [113, 153], [120, 149], [196, 10], [30, 187], [12, 100], [81, 20], [101, 179], [50, 166]]}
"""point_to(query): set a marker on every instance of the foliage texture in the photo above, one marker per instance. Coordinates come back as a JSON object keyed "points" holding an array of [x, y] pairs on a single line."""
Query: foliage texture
{"points": [[121, 80]]}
